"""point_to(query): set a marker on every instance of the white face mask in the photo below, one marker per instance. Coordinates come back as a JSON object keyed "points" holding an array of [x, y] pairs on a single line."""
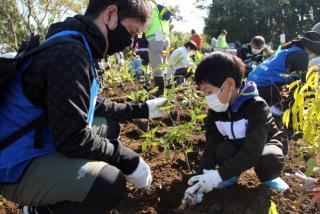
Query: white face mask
{"points": [[255, 51], [215, 104]]}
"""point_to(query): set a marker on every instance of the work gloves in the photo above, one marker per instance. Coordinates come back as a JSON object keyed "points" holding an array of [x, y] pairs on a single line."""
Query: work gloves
{"points": [[201, 184], [141, 178], [154, 107]]}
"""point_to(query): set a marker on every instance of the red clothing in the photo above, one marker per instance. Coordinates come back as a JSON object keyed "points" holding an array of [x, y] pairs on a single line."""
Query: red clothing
{"points": [[197, 39]]}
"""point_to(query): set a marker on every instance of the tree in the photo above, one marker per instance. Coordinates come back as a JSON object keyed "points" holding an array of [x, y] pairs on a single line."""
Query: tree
{"points": [[11, 28], [22, 18], [246, 18]]}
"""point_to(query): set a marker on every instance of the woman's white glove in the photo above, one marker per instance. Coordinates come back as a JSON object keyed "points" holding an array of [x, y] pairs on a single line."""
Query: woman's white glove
{"points": [[141, 177], [154, 107]]}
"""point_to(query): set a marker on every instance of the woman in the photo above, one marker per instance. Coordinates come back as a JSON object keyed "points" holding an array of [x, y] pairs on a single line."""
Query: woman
{"points": [[287, 65]]}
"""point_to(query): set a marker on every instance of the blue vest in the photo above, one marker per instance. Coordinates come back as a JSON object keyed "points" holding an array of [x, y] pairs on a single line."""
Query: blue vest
{"points": [[273, 70], [16, 111]]}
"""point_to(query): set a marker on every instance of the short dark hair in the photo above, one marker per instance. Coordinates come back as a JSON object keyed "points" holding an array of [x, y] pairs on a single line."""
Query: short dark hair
{"points": [[192, 45], [193, 31], [138, 9], [258, 41], [219, 66]]}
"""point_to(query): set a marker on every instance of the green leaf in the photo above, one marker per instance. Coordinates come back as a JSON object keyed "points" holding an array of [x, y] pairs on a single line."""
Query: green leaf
{"points": [[132, 97], [154, 130], [166, 93], [154, 90], [166, 108], [155, 144], [273, 208], [303, 88], [313, 79], [294, 84], [311, 164], [310, 71], [286, 118], [201, 117], [143, 98], [189, 150], [167, 152], [144, 146], [146, 135], [296, 91]]}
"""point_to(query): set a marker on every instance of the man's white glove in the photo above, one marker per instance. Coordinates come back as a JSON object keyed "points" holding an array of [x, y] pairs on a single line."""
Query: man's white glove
{"points": [[154, 107], [141, 177]]}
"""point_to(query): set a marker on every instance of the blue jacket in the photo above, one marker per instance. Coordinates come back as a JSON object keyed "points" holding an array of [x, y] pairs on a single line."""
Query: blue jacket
{"points": [[16, 111], [273, 70]]}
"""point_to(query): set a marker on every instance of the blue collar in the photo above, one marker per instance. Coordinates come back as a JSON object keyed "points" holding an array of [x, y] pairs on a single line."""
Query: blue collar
{"points": [[248, 90]]}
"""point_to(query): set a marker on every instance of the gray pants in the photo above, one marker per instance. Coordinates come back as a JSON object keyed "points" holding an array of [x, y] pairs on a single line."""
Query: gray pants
{"points": [[56, 178], [156, 57]]}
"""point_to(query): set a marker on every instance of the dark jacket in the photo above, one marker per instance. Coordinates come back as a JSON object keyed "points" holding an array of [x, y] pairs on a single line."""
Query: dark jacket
{"points": [[248, 123], [245, 53], [59, 81], [297, 61]]}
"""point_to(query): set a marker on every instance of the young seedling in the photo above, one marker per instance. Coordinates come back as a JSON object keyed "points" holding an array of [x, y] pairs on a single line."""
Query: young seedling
{"points": [[304, 116], [177, 139], [142, 95], [149, 139]]}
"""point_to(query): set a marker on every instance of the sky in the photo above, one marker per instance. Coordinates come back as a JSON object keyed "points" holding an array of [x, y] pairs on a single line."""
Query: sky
{"points": [[193, 18]]}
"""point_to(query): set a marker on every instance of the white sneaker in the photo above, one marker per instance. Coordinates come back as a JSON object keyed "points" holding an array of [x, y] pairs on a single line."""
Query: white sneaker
{"points": [[276, 111]]}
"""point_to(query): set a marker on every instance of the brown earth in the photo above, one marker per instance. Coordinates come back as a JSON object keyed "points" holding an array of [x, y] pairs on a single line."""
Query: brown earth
{"points": [[170, 181]]}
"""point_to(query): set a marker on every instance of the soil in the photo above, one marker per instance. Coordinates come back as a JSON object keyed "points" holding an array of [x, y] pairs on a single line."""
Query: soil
{"points": [[249, 196], [170, 182]]}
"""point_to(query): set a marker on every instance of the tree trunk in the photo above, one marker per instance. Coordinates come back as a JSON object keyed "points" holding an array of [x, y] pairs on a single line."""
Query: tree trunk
{"points": [[14, 34]]}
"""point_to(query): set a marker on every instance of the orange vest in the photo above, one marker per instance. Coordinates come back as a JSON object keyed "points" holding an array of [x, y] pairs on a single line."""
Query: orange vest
{"points": [[197, 39]]}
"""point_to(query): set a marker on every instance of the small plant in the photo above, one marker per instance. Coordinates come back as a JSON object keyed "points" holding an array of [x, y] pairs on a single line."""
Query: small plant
{"points": [[178, 137], [304, 116], [149, 139], [142, 95], [116, 76]]}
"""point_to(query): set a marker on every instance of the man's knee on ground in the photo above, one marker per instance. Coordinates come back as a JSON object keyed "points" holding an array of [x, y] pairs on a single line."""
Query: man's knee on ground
{"points": [[108, 189]]}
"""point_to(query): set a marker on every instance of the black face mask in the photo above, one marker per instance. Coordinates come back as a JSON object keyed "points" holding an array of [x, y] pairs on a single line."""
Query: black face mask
{"points": [[119, 39]]}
